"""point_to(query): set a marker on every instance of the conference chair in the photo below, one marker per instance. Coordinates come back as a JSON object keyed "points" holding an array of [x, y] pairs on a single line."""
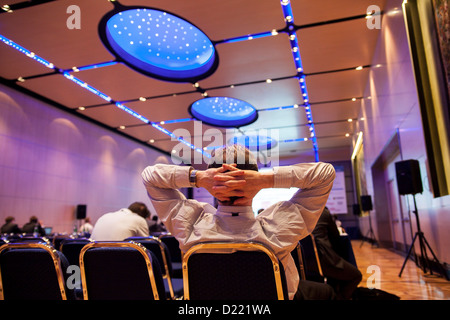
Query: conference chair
{"points": [[57, 239], [33, 271], [176, 255], [232, 271], [29, 239], [311, 261], [173, 287], [71, 249], [298, 259], [120, 271]]}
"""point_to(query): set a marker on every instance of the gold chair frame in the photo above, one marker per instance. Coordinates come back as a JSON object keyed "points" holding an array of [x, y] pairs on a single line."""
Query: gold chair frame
{"points": [[165, 262], [226, 248], [53, 254], [141, 249], [316, 255]]}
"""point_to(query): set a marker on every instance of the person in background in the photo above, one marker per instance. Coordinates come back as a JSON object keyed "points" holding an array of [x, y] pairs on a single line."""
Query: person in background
{"points": [[9, 226], [86, 227], [155, 226], [343, 276], [233, 179], [122, 224], [33, 227]]}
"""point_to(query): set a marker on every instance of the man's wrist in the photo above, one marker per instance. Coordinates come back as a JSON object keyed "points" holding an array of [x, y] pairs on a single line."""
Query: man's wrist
{"points": [[267, 179], [193, 178]]}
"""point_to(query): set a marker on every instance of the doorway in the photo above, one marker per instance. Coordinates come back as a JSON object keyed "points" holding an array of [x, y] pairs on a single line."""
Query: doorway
{"points": [[392, 216]]}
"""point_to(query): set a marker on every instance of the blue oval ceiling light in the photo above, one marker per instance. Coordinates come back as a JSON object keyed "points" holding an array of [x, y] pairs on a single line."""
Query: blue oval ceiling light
{"points": [[255, 142], [158, 43], [223, 112]]}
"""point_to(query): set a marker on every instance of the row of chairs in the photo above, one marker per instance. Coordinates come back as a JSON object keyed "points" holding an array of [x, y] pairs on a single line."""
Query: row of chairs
{"points": [[143, 268]]}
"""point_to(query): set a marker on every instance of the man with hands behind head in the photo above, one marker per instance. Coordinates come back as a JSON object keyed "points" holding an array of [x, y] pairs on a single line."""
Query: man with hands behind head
{"points": [[233, 179]]}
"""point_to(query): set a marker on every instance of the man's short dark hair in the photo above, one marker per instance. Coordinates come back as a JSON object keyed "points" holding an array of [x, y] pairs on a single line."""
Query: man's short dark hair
{"points": [[33, 219], [140, 209]]}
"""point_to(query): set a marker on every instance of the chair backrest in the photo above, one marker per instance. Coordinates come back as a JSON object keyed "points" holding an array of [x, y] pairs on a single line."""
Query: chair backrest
{"points": [[173, 245], [32, 271], [56, 242], [232, 271], [160, 251], [311, 261], [120, 270], [28, 239], [71, 248], [162, 254]]}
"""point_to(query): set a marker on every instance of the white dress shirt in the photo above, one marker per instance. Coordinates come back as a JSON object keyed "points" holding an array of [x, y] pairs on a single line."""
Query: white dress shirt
{"points": [[119, 225], [279, 226]]}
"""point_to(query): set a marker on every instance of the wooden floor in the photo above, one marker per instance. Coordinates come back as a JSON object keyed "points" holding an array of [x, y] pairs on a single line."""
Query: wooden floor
{"points": [[414, 284]]}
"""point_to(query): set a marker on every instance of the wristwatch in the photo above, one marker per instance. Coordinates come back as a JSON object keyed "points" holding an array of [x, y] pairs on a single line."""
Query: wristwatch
{"points": [[193, 178]]}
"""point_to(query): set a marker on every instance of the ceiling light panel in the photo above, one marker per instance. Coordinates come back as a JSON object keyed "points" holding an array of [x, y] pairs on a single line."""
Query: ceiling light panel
{"points": [[158, 43], [224, 112]]}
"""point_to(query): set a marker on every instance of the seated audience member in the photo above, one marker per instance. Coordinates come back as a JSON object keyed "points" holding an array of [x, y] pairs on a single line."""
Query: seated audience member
{"points": [[122, 224], [155, 226], [9, 226], [343, 276], [33, 226], [233, 179], [87, 227]]}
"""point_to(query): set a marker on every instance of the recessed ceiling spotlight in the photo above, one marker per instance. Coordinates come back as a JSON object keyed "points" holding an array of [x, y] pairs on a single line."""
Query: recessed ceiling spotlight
{"points": [[158, 43]]}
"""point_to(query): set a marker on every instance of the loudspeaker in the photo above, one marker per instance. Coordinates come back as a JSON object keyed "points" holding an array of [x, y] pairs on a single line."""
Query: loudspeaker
{"points": [[356, 209], [366, 203], [81, 211], [409, 180]]}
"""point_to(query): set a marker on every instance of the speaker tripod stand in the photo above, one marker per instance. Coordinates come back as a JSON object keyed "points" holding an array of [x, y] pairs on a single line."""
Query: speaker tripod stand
{"points": [[370, 233], [423, 244]]}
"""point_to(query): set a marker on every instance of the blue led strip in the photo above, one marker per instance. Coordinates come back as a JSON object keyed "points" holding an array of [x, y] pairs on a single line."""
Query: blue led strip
{"points": [[93, 66], [249, 37], [133, 113], [97, 92], [27, 52], [174, 121], [84, 85], [173, 136], [289, 18]]}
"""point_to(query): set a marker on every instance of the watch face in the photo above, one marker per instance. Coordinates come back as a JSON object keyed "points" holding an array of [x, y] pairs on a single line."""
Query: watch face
{"points": [[192, 177]]}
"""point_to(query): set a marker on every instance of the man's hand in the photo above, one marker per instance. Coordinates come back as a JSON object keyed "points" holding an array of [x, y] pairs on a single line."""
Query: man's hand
{"points": [[220, 184], [230, 181]]}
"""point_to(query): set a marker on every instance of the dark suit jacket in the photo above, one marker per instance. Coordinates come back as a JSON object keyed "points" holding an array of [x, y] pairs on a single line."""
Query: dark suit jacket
{"points": [[29, 228], [328, 242], [10, 228]]}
